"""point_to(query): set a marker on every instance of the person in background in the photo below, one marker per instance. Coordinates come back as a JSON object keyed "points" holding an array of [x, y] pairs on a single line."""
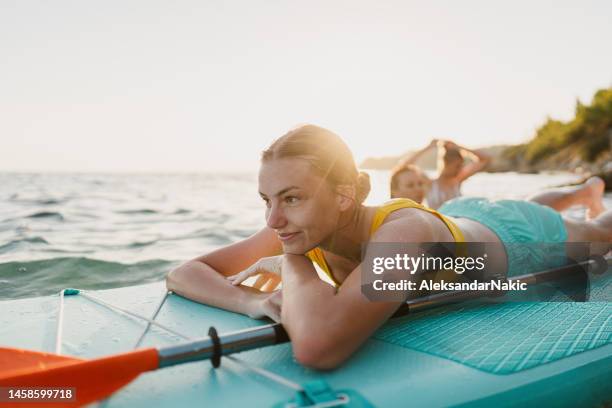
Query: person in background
{"points": [[452, 171], [409, 181]]}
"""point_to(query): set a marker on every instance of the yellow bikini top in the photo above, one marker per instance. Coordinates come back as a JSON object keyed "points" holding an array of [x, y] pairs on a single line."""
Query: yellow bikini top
{"points": [[316, 255]]}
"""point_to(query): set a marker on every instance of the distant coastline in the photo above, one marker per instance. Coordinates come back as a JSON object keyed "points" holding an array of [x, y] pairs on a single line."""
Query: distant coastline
{"points": [[582, 145]]}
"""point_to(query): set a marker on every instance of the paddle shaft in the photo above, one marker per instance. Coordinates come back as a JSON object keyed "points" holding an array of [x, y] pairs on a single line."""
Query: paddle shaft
{"points": [[594, 265], [215, 346]]}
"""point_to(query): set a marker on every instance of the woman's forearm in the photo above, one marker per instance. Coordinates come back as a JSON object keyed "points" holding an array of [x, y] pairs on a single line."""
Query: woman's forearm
{"points": [[306, 298], [322, 336], [475, 155], [415, 156], [200, 282]]}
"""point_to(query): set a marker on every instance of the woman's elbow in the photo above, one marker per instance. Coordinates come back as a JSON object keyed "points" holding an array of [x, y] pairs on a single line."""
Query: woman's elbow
{"points": [[317, 354], [179, 276]]}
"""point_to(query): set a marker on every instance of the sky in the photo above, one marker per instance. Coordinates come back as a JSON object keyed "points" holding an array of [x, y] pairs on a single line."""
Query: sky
{"points": [[199, 86]]}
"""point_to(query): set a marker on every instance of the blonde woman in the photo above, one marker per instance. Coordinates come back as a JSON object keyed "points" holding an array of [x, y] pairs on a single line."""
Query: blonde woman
{"points": [[313, 198]]}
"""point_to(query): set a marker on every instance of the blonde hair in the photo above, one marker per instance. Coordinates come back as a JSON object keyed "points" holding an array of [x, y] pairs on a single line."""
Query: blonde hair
{"points": [[326, 152], [400, 169]]}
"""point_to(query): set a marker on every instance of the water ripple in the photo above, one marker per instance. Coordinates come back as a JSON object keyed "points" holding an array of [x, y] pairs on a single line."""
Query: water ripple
{"points": [[46, 214]]}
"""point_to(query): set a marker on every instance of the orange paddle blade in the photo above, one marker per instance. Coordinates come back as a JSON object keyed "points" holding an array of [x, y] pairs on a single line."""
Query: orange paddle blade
{"points": [[91, 379], [14, 361]]}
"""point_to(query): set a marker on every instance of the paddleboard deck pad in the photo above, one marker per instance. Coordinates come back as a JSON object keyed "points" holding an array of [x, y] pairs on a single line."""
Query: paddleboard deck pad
{"points": [[509, 354]]}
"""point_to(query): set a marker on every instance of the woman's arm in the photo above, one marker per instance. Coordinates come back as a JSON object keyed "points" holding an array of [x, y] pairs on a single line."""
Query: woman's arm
{"points": [[415, 156], [479, 161], [204, 279], [325, 326], [200, 282]]}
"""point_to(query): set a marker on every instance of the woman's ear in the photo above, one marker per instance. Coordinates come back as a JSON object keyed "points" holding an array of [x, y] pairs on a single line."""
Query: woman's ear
{"points": [[345, 196]]}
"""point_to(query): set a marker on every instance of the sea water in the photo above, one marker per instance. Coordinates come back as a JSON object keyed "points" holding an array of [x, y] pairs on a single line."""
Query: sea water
{"points": [[95, 231]]}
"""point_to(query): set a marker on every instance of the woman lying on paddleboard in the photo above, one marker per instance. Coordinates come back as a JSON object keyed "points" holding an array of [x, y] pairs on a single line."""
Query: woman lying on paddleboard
{"points": [[410, 181], [452, 172], [314, 196]]}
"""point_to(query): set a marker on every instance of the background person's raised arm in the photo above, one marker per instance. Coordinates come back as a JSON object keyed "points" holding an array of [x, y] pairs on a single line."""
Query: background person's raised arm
{"points": [[479, 161], [411, 159]]}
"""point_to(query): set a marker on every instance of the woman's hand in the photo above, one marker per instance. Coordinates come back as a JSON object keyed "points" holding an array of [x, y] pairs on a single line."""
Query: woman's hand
{"points": [[449, 144], [267, 305], [268, 269]]}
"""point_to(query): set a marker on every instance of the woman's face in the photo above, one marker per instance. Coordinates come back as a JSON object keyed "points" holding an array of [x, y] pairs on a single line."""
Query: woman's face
{"points": [[411, 185], [300, 206]]}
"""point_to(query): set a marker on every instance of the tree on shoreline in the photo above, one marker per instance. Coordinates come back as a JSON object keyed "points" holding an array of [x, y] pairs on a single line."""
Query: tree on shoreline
{"points": [[586, 136]]}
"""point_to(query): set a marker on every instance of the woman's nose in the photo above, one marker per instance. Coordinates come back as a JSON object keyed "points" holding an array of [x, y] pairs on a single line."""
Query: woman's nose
{"points": [[275, 218]]}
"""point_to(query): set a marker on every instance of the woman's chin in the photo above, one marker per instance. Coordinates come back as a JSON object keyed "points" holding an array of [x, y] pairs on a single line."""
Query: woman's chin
{"points": [[293, 249], [297, 248], [288, 251]]}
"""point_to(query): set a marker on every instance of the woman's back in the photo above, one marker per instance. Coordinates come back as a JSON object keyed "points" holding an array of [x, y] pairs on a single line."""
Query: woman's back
{"points": [[438, 194]]}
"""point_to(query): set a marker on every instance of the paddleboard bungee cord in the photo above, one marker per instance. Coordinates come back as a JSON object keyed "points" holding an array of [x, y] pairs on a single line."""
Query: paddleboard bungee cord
{"points": [[151, 322]]}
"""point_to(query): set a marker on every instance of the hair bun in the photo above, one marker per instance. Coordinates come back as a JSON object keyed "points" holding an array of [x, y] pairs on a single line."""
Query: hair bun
{"points": [[362, 187]]}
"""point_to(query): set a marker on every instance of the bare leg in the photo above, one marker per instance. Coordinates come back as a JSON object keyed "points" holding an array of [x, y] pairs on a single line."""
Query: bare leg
{"points": [[597, 231], [588, 194]]}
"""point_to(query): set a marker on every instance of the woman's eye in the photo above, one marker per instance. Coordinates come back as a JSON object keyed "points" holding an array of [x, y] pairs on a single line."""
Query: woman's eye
{"points": [[267, 202], [291, 200]]}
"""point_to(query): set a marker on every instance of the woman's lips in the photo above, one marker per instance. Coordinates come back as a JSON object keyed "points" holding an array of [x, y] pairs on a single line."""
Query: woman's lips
{"points": [[287, 236]]}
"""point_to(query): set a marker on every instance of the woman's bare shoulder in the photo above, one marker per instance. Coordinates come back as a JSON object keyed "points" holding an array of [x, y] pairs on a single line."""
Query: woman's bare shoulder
{"points": [[406, 225]]}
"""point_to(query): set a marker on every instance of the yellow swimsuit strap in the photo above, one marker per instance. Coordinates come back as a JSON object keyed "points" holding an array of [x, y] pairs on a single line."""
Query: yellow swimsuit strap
{"points": [[316, 254]]}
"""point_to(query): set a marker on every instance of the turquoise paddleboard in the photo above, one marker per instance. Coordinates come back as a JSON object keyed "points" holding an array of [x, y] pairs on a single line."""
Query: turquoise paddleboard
{"points": [[509, 354]]}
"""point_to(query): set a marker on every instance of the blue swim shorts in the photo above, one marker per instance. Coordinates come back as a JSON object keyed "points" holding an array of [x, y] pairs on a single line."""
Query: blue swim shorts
{"points": [[533, 235]]}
